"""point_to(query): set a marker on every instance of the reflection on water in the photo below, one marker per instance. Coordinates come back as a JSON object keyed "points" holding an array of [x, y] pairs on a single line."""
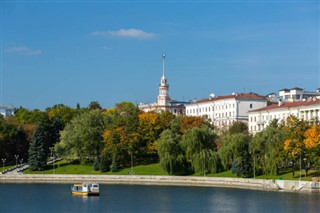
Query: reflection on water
{"points": [[134, 198]]}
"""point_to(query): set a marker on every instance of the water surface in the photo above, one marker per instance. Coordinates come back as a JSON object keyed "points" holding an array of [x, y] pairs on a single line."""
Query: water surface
{"points": [[42, 198]]}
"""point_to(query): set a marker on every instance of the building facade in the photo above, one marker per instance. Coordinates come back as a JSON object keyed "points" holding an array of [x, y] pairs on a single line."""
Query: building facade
{"points": [[164, 102], [297, 94], [307, 110], [222, 111], [7, 110]]}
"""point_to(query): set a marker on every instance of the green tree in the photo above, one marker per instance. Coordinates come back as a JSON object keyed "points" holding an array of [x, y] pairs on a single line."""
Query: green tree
{"points": [[94, 105], [200, 149], [82, 138], [234, 154], [238, 127], [171, 155], [62, 113], [267, 151], [25, 116], [37, 150]]}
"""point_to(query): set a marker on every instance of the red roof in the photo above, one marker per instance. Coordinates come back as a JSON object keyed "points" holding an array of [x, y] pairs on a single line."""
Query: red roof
{"points": [[249, 96], [288, 105]]}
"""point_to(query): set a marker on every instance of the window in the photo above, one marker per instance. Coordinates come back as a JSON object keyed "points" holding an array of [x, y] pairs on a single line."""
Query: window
{"points": [[250, 106]]}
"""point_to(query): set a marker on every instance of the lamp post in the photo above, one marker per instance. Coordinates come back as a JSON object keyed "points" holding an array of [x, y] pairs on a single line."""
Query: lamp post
{"points": [[3, 162], [52, 149], [16, 156], [131, 164], [300, 166], [204, 164], [254, 166]]}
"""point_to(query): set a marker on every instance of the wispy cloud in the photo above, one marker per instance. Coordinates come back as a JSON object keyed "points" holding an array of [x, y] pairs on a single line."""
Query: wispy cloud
{"points": [[24, 50], [126, 33]]}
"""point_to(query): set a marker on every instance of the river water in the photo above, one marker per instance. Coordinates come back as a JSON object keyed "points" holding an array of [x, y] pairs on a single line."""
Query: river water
{"points": [[57, 198]]}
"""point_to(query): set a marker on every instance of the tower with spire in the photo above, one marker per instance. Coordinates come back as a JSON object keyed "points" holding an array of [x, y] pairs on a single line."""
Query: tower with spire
{"points": [[164, 102], [163, 97]]}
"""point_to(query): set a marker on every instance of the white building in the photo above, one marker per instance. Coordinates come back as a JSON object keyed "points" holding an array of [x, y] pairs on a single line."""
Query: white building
{"points": [[307, 110], [297, 94], [164, 101], [224, 110], [7, 110]]}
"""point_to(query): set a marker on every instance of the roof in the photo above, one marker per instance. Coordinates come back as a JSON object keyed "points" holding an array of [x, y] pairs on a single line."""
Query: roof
{"points": [[294, 88], [240, 96], [288, 105]]}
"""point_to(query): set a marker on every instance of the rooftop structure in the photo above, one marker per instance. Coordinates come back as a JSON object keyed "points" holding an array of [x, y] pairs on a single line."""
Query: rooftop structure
{"points": [[164, 102], [297, 94], [7, 110]]}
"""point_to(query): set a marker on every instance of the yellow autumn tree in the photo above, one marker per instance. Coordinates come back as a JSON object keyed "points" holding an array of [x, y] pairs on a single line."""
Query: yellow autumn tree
{"points": [[293, 147], [312, 136]]}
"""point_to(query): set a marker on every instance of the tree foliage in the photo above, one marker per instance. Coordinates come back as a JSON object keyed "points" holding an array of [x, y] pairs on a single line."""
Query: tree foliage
{"points": [[171, 155], [37, 150], [82, 137], [267, 150], [200, 148], [234, 154]]}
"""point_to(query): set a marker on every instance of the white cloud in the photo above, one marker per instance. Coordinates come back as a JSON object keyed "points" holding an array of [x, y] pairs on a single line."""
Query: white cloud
{"points": [[24, 50], [128, 33]]}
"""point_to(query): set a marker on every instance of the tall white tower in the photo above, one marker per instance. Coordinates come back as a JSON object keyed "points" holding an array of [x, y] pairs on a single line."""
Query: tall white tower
{"points": [[163, 98]]}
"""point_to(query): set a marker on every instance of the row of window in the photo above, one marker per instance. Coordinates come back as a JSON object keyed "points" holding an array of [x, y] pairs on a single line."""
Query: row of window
{"points": [[211, 108], [214, 108], [217, 115]]}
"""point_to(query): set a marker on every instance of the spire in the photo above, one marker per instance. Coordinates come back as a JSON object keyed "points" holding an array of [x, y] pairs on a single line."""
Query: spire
{"points": [[163, 58]]}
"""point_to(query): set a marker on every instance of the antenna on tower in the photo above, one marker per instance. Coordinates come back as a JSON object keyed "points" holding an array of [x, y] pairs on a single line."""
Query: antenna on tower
{"points": [[163, 58]]}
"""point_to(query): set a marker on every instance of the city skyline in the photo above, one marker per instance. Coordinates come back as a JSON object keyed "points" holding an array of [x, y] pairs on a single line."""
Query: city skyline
{"points": [[73, 52]]}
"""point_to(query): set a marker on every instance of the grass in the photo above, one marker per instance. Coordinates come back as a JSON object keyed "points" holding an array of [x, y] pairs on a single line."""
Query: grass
{"points": [[287, 175], [62, 167], [6, 167]]}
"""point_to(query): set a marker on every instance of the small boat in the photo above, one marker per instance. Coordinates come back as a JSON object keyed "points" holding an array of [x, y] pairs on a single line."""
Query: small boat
{"points": [[86, 189]]}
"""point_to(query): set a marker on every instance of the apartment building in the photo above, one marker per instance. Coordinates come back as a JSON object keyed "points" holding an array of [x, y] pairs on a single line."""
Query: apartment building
{"points": [[308, 109], [222, 111]]}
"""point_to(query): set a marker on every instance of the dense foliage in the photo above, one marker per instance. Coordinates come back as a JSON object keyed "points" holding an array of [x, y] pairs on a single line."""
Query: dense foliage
{"points": [[124, 136]]}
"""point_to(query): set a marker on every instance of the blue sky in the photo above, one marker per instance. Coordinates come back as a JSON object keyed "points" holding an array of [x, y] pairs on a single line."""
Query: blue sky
{"points": [[110, 51]]}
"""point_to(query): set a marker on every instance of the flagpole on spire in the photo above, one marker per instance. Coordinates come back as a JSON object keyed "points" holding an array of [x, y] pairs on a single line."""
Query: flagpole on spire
{"points": [[163, 58]]}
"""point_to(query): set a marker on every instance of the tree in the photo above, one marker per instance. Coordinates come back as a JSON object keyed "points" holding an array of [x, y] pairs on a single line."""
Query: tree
{"points": [[171, 155], [149, 130], [62, 113], [294, 144], [267, 150], [190, 122], [37, 150], [312, 144], [13, 141], [24, 116], [82, 137], [94, 105], [121, 135], [238, 127], [234, 154], [200, 148]]}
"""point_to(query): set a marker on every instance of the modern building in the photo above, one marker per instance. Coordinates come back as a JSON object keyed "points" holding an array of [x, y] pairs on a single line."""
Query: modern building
{"points": [[297, 94], [7, 110], [164, 102], [308, 109], [222, 111]]}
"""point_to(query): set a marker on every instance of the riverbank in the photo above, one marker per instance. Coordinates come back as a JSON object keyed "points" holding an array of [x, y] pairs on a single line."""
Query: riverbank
{"points": [[241, 183]]}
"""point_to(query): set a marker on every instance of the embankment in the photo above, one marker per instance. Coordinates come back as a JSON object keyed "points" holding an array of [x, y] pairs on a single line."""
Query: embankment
{"points": [[242, 183]]}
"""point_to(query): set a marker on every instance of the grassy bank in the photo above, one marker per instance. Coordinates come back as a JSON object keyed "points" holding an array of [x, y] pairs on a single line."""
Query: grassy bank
{"points": [[63, 167]]}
